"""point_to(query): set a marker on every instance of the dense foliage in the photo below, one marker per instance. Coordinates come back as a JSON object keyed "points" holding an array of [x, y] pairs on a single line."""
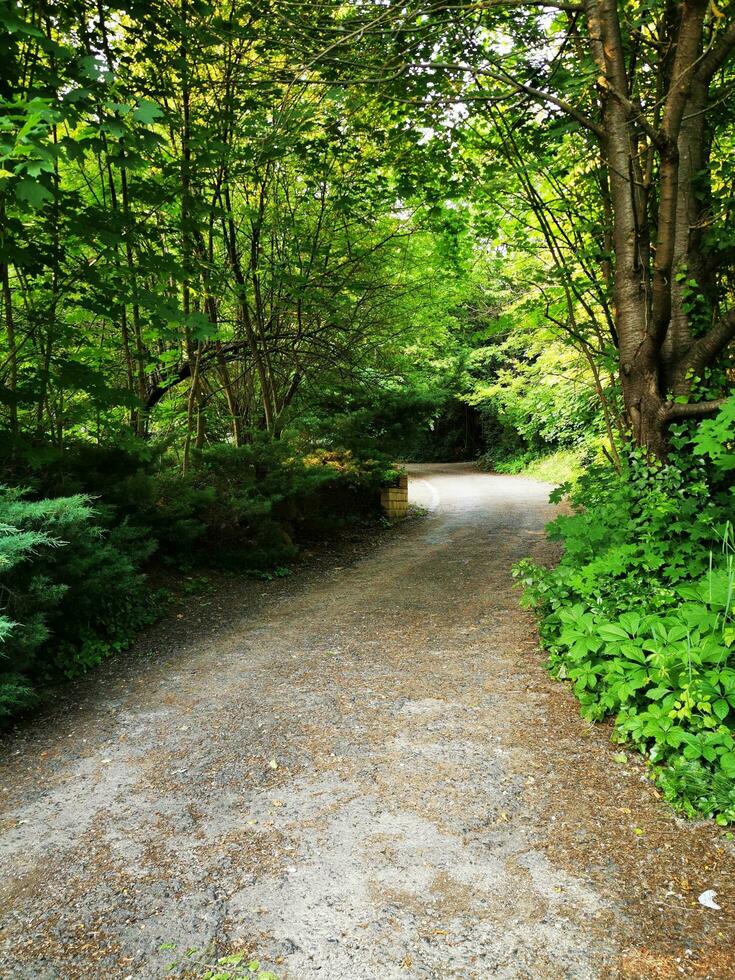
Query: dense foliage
{"points": [[208, 294], [70, 566], [638, 614], [71, 591]]}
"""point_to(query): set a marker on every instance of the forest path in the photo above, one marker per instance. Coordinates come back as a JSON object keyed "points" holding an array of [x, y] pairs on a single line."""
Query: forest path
{"points": [[368, 776]]}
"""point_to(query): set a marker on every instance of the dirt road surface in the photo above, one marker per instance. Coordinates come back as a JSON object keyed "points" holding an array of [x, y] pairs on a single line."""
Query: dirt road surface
{"points": [[361, 774]]}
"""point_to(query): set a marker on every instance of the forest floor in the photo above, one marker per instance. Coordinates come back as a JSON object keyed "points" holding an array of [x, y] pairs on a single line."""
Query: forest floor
{"points": [[360, 772]]}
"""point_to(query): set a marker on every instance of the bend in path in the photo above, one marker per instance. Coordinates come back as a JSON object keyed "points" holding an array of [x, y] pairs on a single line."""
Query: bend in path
{"points": [[371, 776]]}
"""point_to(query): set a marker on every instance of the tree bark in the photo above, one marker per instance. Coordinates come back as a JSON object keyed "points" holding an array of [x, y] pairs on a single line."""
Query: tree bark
{"points": [[12, 346], [657, 353]]}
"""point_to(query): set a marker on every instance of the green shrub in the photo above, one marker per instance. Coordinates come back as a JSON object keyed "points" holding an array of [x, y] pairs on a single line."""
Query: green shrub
{"points": [[71, 587], [243, 507], [70, 592], [382, 422], [264, 498], [638, 618]]}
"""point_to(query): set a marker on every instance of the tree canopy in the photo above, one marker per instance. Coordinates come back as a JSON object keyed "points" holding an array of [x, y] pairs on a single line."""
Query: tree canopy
{"points": [[207, 209]]}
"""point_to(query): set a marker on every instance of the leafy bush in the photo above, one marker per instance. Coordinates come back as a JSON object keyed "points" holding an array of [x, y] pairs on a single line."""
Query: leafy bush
{"points": [[561, 466], [535, 396], [265, 497], [425, 424], [638, 617], [70, 592], [240, 507], [714, 439], [71, 587]]}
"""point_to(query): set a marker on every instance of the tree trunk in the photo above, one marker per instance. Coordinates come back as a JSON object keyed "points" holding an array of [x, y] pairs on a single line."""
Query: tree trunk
{"points": [[12, 346], [658, 354]]}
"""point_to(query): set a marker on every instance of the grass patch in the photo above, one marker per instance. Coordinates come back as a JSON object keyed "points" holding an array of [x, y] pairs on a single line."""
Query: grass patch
{"points": [[562, 466]]}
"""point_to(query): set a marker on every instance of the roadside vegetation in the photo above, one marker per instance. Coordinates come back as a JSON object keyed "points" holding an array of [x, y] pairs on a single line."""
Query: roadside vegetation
{"points": [[638, 614], [254, 255], [206, 965]]}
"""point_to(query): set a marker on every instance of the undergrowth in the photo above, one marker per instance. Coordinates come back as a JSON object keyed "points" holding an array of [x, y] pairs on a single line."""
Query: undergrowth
{"points": [[203, 964], [71, 592], [561, 466], [555, 466], [638, 614], [77, 539]]}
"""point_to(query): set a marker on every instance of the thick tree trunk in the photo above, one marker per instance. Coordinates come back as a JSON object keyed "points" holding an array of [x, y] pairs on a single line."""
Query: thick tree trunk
{"points": [[645, 409], [653, 283]]}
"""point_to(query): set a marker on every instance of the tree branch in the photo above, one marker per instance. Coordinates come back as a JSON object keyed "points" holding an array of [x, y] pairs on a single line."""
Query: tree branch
{"points": [[635, 111], [537, 94], [704, 350], [717, 55], [673, 412]]}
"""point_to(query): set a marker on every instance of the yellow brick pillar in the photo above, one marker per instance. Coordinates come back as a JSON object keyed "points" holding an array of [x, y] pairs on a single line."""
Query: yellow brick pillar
{"points": [[394, 500]]}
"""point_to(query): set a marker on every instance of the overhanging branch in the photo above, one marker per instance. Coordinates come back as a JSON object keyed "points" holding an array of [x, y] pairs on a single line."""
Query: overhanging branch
{"points": [[673, 412]]}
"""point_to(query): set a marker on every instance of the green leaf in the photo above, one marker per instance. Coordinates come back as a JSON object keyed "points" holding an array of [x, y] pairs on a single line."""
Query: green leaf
{"points": [[611, 631], [630, 622], [32, 192], [146, 112], [632, 652], [721, 708], [675, 737]]}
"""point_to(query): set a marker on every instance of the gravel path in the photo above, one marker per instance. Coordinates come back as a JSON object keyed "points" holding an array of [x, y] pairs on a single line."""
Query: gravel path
{"points": [[362, 774]]}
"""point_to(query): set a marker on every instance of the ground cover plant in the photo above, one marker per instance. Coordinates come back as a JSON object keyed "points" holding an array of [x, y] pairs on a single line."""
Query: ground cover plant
{"points": [[638, 614], [205, 964]]}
